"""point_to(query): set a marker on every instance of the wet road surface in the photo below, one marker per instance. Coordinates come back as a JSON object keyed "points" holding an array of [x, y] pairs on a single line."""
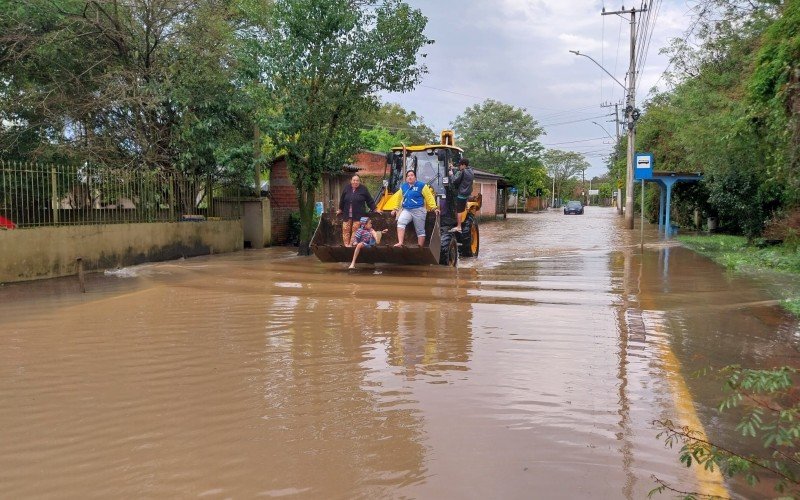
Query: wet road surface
{"points": [[534, 371]]}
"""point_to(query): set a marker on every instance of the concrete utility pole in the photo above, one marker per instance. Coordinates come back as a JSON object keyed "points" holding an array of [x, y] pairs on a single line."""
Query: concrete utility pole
{"points": [[631, 114], [616, 124]]}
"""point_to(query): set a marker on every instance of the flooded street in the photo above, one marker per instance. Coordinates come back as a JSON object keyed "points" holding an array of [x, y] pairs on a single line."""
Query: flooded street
{"points": [[535, 371]]}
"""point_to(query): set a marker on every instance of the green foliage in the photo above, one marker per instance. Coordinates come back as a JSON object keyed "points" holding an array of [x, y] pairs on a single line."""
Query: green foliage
{"points": [[604, 190], [731, 113], [562, 166], [323, 63], [774, 89], [380, 140], [143, 85], [409, 127], [501, 138], [793, 306], [527, 176], [293, 231], [770, 414], [735, 253]]}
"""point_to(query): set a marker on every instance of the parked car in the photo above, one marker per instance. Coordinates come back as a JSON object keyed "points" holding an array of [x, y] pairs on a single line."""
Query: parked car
{"points": [[573, 207]]}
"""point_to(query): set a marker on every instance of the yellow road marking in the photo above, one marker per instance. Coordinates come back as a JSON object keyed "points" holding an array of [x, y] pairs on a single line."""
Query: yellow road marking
{"points": [[710, 482]]}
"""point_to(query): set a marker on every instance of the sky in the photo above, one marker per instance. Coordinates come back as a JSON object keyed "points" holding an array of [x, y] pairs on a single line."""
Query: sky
{"points": [[517, 52]]}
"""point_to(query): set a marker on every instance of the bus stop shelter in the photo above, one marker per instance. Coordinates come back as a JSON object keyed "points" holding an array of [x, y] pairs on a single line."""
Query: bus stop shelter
{"points": [[666, 180]]}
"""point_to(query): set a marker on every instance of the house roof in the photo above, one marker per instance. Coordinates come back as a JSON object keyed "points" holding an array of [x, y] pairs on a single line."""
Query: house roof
{"points": [[482, 174]]}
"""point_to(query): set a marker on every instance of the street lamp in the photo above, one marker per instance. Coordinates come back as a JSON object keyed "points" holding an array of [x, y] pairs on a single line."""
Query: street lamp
{"points": [[578, 53], [606, 131], [631, 114]]}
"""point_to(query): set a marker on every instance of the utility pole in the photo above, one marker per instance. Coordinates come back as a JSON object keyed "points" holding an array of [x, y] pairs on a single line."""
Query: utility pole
{"points": [[616, 124], [631, 114], [583, 185]]}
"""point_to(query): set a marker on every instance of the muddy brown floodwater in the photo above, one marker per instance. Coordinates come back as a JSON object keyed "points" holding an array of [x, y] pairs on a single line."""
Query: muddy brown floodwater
{"points": [[534, 371]]}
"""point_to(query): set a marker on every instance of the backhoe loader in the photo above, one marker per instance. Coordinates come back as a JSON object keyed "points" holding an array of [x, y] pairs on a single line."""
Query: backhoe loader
{"points": [[431, 163]]}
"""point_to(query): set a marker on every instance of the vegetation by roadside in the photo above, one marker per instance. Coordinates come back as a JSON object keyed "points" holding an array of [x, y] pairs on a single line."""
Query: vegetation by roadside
{"points": [[736, 254], [767, 399]]}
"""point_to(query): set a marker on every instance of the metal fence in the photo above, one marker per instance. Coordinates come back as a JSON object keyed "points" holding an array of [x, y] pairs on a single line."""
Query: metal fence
{"points": [[33, 194]]}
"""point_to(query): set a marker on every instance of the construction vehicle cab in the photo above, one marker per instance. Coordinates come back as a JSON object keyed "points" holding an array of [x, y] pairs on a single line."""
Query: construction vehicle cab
{"points": [[431, 163]]}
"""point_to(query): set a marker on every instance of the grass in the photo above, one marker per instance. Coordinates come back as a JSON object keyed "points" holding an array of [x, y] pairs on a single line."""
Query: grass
{"points": [[792, 305], [735, 254]]}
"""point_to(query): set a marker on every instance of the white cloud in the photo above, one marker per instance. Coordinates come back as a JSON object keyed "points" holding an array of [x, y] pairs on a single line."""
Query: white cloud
{"points": [[516, 51]]}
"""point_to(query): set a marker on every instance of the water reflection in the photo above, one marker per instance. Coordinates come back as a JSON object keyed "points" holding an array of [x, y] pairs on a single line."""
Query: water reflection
{"points": [[534, 370], [424, 338]]}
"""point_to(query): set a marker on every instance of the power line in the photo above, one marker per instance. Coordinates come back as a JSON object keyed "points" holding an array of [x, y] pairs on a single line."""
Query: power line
{"points": [[573, 142], [575, 121]]}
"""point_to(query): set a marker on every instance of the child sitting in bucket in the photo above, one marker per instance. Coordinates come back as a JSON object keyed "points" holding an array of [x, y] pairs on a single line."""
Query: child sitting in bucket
{"points": [[365, 236]]}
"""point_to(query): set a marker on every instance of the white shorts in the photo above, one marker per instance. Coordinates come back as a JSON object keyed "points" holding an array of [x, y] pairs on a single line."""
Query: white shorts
{"points": [[417, 215]]}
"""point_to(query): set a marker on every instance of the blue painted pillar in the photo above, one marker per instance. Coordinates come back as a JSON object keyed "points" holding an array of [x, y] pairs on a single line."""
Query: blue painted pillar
{"points": [[667, 227], [661, 204]]}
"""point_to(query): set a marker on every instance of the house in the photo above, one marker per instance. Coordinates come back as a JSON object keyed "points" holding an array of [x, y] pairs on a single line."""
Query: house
{"points": [[494, 191]]}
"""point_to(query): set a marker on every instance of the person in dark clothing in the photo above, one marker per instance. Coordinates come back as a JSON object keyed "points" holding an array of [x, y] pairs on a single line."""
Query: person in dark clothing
{"points": [[462, 181], [352, 203]]}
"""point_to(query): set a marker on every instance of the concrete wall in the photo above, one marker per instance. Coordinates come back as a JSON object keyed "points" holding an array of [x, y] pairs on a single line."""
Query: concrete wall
{"points": [[48, 252], [257, 223]]}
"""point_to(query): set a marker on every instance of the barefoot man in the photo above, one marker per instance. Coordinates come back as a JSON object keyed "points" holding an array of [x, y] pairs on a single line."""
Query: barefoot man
{"points": [[414, 199]]}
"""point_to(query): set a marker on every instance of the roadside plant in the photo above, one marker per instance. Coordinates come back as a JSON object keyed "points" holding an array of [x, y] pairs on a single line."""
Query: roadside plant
{"points": [[770, 418]]}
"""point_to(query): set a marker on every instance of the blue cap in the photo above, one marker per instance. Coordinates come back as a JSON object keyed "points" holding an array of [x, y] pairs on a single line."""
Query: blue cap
{"points": [[364, 220]]}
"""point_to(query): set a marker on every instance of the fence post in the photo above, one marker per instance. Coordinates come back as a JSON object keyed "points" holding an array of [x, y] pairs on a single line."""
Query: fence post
{"points": [[54, 191], [171, 198], [210, 195]]}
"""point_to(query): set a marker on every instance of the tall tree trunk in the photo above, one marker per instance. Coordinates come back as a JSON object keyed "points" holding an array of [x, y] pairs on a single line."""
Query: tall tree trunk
{"points": [[305, 199]]}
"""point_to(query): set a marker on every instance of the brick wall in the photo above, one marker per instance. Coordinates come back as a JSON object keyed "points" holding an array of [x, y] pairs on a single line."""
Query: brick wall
{"points": [[283, 199], [284, 195], [372, 164]]}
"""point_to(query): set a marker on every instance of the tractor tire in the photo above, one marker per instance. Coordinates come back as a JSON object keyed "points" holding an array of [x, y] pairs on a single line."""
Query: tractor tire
{"points": [[448, 255], [470, 237]]}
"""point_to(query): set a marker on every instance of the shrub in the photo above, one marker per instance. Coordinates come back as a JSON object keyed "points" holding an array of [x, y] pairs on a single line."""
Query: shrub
{"points": [[294, 227]]}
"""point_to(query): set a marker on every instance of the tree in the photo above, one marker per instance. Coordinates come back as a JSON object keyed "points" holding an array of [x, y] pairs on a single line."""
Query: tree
{"points": [[731, 112], [323, 62], [527, 176], [562, 166], [499, 137], [146, 85], [408, 126], [380, 140]]}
